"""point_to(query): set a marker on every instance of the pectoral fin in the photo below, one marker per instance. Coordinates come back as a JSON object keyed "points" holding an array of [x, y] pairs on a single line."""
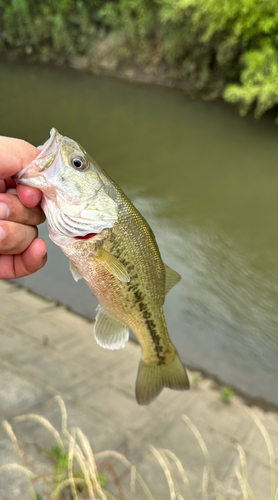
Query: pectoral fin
{"points": [[110, 333], [113, 265], [171, 278], [75, 274]]}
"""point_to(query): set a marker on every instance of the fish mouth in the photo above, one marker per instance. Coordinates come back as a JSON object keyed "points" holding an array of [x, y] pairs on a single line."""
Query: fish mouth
{"points": [[32, 174]]}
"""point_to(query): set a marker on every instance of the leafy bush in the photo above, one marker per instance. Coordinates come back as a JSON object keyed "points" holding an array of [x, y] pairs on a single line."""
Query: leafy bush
{"points": [[216, 47], [259, 81], [48, 28]]}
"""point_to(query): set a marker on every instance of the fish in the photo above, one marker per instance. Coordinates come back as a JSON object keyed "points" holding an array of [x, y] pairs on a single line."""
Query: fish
{"points": [[112, 247]]}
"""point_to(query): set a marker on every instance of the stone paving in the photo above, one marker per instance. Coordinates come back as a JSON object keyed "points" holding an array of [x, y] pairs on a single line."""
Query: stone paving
{"points": [[47, 350]]}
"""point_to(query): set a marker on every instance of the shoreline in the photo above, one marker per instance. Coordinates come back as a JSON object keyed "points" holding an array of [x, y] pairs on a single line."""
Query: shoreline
{"points": [[49, 353], [216, 382], [151, 75]]}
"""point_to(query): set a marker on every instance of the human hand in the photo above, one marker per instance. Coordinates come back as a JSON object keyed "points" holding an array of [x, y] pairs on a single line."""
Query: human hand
{"points": [[21, 252]]}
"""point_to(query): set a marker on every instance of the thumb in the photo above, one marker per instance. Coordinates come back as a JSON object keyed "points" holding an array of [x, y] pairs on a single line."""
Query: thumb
{"points": [[15, 154]]}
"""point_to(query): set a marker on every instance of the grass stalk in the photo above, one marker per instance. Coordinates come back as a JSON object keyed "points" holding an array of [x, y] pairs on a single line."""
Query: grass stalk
{"points": [[205, 452], [43, 421], [271, 455], [92, 468], [12, 436], [205, 483], [133, 479], [166, 471], [59, 488], [181, 471], [122, 458], [18, 467], [85, 470], [70, 466]]}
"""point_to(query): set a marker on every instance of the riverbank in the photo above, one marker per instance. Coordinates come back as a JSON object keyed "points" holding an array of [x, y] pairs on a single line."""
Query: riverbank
{"points": [[219, 51], [47, 350], [107, 64]]}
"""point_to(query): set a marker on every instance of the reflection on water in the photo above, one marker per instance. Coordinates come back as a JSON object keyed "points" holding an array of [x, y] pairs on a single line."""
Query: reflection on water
{"points": [[224, 311], [206, 180]]}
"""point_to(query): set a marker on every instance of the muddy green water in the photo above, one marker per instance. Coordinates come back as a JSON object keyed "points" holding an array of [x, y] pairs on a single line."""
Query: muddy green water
{"points": [[205, 179]]}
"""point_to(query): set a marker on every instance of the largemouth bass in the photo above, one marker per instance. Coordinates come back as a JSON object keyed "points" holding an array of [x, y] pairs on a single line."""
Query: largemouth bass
{"points": [[113, 248]]}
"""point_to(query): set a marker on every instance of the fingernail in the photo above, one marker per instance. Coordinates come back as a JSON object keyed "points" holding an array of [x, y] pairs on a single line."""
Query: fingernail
{"points": [[4, 211], [2, 234]]}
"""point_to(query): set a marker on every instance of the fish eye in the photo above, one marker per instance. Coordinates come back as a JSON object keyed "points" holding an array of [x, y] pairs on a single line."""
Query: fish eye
{"points": [[79, 162]]}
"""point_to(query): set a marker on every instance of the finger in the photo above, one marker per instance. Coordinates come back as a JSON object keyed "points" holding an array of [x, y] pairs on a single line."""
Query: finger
{"points": [[15, 154], [30, 197], [11, 191], [30, 261], [11, 209], [15, 238], [33, 258]]}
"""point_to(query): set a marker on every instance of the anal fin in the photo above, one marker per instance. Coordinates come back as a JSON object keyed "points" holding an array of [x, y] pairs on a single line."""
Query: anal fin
{"points": [[109, 332]]}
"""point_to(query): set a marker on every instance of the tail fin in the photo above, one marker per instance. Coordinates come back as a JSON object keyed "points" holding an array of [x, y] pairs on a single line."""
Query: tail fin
{"points": [[152, 378]]}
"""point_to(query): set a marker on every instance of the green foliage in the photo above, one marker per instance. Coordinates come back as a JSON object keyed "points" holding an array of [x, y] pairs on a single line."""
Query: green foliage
{"points": [[196, 380], [48, 28], [226, 394], [61, 464], [217, 47], [259, 81], [212, 44]]}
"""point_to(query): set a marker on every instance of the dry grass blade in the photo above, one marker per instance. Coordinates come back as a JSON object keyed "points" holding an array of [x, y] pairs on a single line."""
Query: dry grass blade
{"points": [[243, 464], [205, 483], [242, 484], [58, 399], [85, 470], [91, 462], [18, 467], [181, 471], [270, 450], [12, 436], [204, 449], [122, 458], [70, 467], [64, 414], [64, 484], [43, 421], [109, 495], [133, 479], [243, 481], [166, 471]]}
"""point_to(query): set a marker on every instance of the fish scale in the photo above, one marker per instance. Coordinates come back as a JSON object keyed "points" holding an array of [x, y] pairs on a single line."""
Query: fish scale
{"points": [[119, 260]]}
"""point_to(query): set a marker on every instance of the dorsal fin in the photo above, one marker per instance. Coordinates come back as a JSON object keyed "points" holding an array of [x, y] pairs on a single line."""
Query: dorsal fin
{"points": [[171, 278]]}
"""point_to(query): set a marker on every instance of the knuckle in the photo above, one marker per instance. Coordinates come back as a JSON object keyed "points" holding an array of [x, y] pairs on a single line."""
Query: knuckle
{"points": [[21, 214], [17, 237]]}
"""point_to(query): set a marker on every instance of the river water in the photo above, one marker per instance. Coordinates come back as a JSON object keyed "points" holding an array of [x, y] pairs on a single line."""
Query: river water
{"points": [[207, 182]]}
